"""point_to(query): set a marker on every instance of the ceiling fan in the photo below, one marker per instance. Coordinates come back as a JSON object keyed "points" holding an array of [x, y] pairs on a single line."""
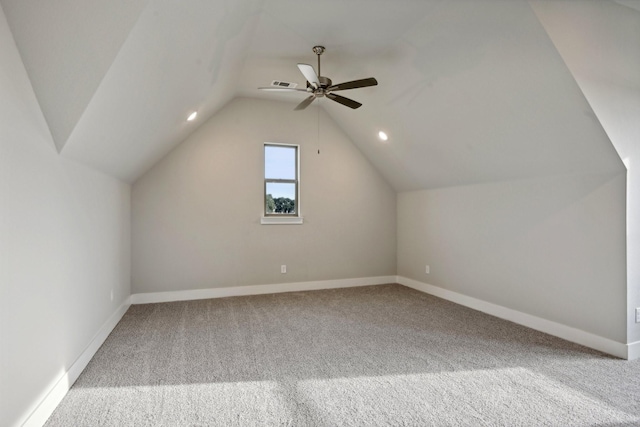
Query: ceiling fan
{"points": [[319, 86]]}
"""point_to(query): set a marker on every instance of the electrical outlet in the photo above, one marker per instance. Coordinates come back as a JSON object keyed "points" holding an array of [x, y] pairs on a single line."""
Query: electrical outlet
{"points": [[638, 315], [427, 269], [283, 269]]}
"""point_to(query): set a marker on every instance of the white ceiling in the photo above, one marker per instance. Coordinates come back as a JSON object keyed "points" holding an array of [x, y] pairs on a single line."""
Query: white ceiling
{"points": [[469, 90]]}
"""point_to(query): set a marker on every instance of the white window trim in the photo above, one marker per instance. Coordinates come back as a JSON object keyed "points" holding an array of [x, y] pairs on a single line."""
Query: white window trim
{"points": [[281, 220], [272, 219]]}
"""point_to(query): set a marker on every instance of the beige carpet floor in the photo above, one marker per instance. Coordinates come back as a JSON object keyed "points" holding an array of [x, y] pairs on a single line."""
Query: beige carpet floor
{"points": [[368, 356]]}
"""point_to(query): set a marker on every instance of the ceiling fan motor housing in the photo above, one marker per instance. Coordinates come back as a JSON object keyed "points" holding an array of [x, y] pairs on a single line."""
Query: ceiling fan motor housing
{"points": [[325, 82]]}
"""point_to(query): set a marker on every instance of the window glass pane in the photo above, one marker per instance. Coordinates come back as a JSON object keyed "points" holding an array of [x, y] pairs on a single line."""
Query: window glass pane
{"points": [[281, 198], [279, 162]]}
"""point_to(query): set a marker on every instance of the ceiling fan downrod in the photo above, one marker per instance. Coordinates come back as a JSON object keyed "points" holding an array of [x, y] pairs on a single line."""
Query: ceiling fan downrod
{"points": [[318, 50]]}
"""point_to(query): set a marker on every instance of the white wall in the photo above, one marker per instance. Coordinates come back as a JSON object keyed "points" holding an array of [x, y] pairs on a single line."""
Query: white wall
{"points": [[196, 214], [600, 43], [552, 247], [64, 248]]}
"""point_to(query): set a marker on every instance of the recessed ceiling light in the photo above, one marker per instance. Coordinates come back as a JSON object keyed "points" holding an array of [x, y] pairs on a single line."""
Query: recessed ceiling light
{"points": [[192, 116], [383, 136]]}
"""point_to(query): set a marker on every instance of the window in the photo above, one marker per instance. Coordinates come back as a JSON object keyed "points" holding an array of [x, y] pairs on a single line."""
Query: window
{"points": [[281, 183]]}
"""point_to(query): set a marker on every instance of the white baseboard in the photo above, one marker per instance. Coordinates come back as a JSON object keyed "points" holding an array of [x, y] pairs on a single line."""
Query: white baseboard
{"points": [[170, 296], [56, 393], [568, 333], [633, 350]]}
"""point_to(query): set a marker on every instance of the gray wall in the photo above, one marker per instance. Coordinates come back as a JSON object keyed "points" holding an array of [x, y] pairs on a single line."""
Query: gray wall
{"points": [[64, 248], [599, 42], [552, 247], [196, 213]]}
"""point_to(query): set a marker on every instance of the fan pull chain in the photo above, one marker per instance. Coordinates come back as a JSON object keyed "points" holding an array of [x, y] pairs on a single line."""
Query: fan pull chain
{"points": [[318, 126]]}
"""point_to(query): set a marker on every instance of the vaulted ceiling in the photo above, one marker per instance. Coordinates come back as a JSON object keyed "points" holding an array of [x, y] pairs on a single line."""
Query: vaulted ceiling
{"points": [[469, 90]]}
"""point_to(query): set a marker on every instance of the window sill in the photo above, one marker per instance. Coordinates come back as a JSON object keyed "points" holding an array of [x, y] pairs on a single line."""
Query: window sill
{"points": [[281, 220]]}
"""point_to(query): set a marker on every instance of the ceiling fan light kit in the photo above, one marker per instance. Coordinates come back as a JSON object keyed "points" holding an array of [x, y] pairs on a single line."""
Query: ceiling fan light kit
{"points": [[319, 86]]}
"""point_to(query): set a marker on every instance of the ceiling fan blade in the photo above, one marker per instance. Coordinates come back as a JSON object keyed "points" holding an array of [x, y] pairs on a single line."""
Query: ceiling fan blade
{"points": [[354, 84], [282, 89], [304, 104], [310, 74], [344, 101]]}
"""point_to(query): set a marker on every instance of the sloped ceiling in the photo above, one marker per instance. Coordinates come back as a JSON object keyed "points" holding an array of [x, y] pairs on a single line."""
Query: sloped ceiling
{"points": [[469, 91]]}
